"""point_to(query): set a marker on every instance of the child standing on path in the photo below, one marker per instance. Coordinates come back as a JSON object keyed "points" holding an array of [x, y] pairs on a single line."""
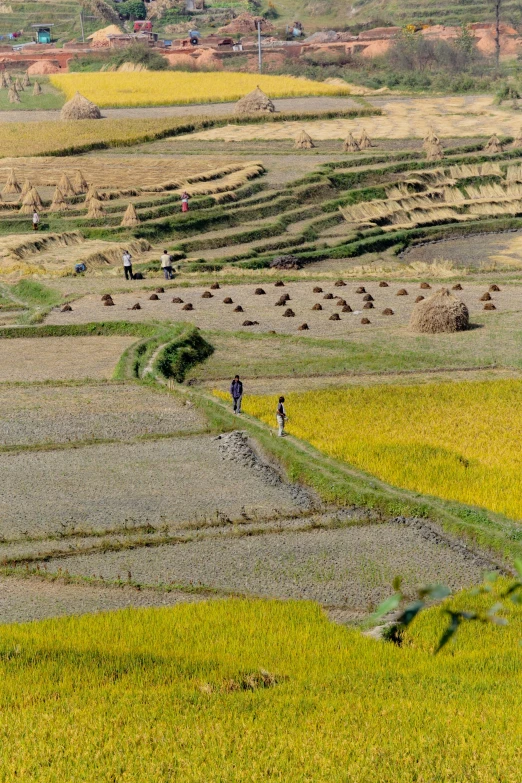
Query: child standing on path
{"points": [[281, 417], [236, 390]]}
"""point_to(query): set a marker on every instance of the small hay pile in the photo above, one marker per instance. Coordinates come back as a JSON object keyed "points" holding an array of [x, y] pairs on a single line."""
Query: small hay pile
{"points": [[255, 102], [12, 185], [31, 202], [65, 185], [434, 151], [37, 90], [493, 146], [13, 95], [3, 81], [19, 87], [130, 217], [441, 312], [79, 184], [350, 144], [26, 187], [517, 141], [26, 82], [79, 108], [303, 141]]}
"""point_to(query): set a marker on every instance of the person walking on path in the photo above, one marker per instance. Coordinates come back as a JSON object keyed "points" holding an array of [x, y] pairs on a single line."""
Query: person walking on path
{"points": [[236, 390], [281, 417], [184, 201], [127, 265], [36, 220], [166, 265]]}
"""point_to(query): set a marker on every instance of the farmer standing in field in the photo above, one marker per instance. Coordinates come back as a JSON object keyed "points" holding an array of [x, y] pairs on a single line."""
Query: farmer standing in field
{"points": [[184, 201], [281, 417], [36, 220], [166, 265], [127, 264], [236, 390]]}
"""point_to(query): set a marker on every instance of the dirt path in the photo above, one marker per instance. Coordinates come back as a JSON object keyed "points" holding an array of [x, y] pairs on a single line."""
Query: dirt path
{"points": [[312, 104]]}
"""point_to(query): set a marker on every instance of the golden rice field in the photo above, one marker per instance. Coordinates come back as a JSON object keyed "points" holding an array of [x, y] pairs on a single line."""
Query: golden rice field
{"points": [[172, 88], [250, 691], [457, 441]]}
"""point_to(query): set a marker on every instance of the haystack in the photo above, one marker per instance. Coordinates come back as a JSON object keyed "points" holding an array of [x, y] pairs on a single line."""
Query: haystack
{"points": [[3, 81], [92, 193], [58, 204], [303, 141], [100, 39], [365, 141], [350, 144], [434, 151], [13, 96], [19, 87], [430, 138], [79, 108], [130, 217], [493, 146], [30, 202], [65, 185], [441, 312], [517, 141], [37, 90], [26, 187], [78, 182], [12, 185], [42, 67], [96, 209], [26, 82], [256, 102]]}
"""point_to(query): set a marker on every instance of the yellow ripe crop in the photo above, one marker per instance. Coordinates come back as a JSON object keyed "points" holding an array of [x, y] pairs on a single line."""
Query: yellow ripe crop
{"points": [[176, 87], [150, 696], [458, 441]]}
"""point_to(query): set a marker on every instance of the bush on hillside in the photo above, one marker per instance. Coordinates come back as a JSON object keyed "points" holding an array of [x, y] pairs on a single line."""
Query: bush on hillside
{"points": [[140, 54]]}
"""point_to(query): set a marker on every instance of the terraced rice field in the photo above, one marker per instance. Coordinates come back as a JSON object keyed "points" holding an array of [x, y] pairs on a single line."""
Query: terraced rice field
{"points": [[459, 441]]}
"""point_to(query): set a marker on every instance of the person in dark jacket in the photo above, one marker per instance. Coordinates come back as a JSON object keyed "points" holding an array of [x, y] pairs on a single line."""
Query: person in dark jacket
{"points": [[236, 390]]}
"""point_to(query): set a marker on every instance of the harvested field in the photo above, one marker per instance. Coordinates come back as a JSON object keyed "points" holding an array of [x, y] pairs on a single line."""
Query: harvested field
{"points": [[24, 600], [213, 314], [402, 118], [483, 253], [64, 414], [106, 486], [60, 358], [352, 567]]}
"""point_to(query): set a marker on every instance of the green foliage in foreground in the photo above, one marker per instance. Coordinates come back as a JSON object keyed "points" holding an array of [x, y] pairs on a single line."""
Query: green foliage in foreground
{"points": [[256, 691]]}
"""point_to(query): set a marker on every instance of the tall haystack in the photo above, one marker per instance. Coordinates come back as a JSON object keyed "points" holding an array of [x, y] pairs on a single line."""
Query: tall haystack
{"points": [[8, 79], [37, 90], [493, 146], [26, 82], [58, 204], [364, 142], [12, 185], [65, 185], [517, 141], [256, 102], [96, 209], [19, 87], [441, 312], [434, 151], [13, 95], [303, 141], [430, 138], [26, 187], [79, 184], [130, 217], [79, 108], [31, 202], [91, 194], [3, 81], [350, 144]]}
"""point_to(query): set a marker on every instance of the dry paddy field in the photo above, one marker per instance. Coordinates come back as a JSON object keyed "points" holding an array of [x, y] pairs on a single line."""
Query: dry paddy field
{"points": [[263, 313], [60, 358]]}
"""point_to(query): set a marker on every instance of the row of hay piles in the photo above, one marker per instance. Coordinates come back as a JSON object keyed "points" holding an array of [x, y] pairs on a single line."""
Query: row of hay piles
{"points": [[68, 188]]}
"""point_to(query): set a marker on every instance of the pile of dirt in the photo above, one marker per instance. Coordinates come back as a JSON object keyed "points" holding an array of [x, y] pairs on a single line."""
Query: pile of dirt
{"points": [[285, 262], [441, 312], [247, 23], [209, 61], [80, 108], [99, 39], [42, 67], [236, 447]]}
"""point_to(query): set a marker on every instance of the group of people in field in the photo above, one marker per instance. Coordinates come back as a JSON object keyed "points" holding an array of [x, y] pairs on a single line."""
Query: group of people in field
{"points": [[236, 392]]}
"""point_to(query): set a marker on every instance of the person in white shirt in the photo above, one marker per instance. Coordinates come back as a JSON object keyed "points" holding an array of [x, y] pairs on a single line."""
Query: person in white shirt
{"points": [[166, 265], [36, 220], [127, 265], [281, 417]]}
